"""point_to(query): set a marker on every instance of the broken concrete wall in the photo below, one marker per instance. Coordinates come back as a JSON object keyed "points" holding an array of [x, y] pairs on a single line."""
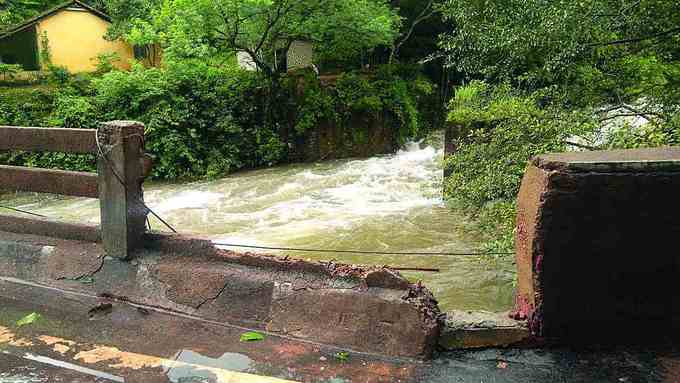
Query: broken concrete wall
{"points": [[365, 309], [596, 244]]}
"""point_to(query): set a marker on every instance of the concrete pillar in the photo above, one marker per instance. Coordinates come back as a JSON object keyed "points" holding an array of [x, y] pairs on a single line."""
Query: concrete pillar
{"points": [[123, 215], [596, 245]]}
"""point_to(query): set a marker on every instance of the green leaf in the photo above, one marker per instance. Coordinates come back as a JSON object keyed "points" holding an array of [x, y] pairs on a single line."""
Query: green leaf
{"points": [[85, 280], [342, 356], [28, 319], [251, 337]]}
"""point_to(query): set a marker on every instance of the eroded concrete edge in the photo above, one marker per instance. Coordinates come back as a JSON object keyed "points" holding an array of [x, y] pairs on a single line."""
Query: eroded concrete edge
{"points": [[368, 309]]}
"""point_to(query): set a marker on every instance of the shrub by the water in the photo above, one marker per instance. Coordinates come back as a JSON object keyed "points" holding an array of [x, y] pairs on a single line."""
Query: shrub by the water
{"points": [[501, 128], [200, 121], [400, 91]]}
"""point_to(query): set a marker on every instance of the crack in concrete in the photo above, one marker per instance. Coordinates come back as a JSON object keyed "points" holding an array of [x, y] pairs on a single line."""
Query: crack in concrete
{"points": [[212, 299], [86, 275]]}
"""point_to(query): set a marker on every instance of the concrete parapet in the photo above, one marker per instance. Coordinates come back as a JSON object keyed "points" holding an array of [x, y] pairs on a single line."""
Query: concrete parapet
{"points": [[596, 245], [121, 173], [364, 309]]}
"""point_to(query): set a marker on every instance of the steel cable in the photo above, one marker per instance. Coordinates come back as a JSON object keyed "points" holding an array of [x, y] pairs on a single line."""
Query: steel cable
{"points": [[357, 251], [21, 211]]}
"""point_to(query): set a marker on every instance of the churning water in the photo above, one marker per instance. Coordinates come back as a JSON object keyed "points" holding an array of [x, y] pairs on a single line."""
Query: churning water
{"points": [[386, 203]]}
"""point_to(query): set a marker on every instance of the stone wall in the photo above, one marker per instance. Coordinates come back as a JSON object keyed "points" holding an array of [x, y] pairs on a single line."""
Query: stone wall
{"points": [[364, 135], [596, 243]]}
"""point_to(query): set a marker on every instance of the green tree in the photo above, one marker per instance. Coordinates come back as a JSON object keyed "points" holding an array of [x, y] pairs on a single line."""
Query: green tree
{"points": [[265, 29], [414, 14], [15, 11], [599, 51], [553, 71], [214, 31]]}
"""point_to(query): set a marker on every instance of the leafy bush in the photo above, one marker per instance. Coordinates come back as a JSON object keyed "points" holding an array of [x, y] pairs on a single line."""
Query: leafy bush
{"points": [[106, 62], [73, 111], [58, 75], [499, 131], [26, 106], [396, 92], [314, 105], [200, 121], [45, 106]]}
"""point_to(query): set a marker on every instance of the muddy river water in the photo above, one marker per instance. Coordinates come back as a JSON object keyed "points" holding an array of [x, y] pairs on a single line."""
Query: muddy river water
{"points": [[386, 203]]}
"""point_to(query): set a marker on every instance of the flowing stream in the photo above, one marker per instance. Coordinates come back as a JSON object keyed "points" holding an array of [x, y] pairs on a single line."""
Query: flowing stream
{"points": [[386, 203]]}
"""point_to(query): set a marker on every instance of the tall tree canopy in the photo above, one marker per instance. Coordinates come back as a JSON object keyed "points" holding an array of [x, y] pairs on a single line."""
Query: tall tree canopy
{"points": [[602, 50], [15, 11], [204, 28]]}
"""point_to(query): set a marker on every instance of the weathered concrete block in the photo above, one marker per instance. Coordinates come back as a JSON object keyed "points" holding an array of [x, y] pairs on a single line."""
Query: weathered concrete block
{"points": [[368, 309], [596, 244], [373, 321], [480, 329], [119, 164]]}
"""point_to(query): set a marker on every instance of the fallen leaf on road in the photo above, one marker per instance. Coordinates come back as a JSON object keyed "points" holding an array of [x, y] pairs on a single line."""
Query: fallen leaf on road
{"points": [[251, 336], [342, 356], [28, 319]]}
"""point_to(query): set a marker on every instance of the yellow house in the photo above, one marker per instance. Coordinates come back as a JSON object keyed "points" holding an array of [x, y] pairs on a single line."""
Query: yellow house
{"points": [[70, 35]]}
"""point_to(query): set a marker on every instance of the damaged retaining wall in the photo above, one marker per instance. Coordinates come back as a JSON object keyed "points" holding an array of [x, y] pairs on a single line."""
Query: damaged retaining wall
{"points": [[596, 245], [371, 310]]}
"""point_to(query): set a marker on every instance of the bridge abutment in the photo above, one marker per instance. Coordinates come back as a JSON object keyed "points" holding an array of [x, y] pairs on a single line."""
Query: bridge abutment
{"points": [[596, 245]]}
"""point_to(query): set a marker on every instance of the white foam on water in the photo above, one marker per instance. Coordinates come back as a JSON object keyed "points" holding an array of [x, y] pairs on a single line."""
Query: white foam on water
{"points": [[189, 200], [293, 202], [317, 201]]}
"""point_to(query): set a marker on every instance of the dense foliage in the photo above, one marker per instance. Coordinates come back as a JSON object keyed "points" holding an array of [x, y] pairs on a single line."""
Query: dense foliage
{"points": [[204, 116], [499, 129], [203, 121], [34, 106], [558, 75], [398, 93]]}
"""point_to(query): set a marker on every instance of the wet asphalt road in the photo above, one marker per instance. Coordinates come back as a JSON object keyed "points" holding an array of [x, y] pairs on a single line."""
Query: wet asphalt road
{"points": [[126, 344], [19, 370], [483, 366]]}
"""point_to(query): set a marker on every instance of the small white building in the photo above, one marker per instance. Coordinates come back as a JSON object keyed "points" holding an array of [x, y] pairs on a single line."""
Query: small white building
{"points": [[245, 61], [300, 56]]}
